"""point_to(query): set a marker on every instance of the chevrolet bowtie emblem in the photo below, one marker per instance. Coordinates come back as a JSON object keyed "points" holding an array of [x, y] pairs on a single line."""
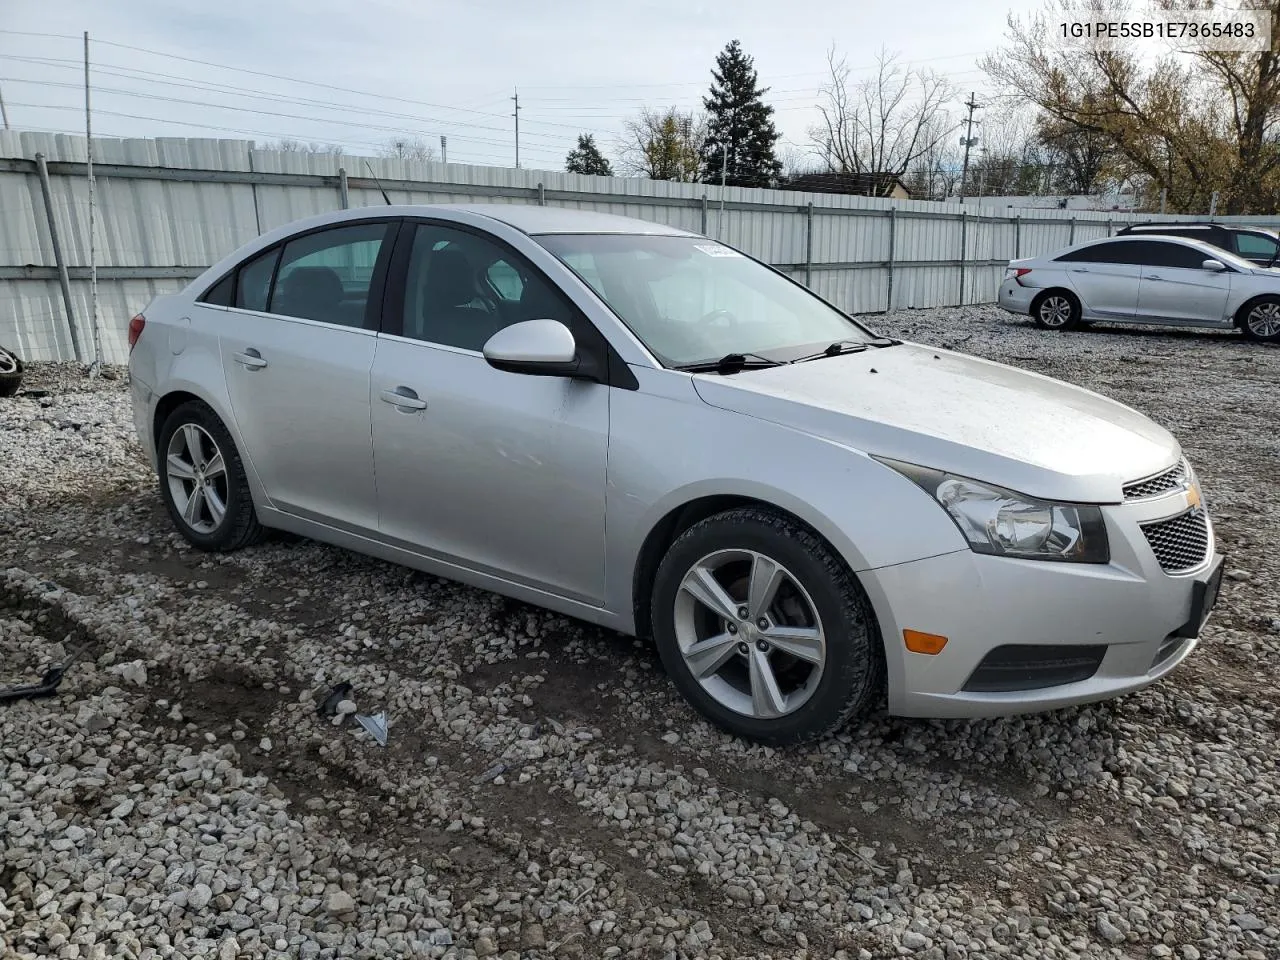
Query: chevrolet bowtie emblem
{"points": [[1193, 496]]}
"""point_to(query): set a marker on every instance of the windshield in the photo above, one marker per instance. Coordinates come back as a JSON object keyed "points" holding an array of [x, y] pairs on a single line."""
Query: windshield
{"points": [[691, 300]]}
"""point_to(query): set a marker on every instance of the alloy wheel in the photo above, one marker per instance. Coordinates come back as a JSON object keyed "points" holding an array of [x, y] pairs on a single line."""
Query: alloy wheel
{"points": [[197, 477], [8, 362], [750, 633], [1264, 320], [1055, 311]]}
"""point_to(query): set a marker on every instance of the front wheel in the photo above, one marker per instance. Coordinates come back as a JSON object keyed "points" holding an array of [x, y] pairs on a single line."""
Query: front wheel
{"points": [[764, 629], [1056, 310], [1260, 319], [203, 481]]}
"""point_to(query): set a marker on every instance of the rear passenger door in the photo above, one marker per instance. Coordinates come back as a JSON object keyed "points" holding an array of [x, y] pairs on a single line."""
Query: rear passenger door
{"points": [[297, 347], [1258, 247], [1106, 278]]}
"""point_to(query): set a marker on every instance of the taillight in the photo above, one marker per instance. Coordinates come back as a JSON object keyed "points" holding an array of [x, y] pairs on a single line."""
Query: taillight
{"points": [[135, 329], [1020, 272]]}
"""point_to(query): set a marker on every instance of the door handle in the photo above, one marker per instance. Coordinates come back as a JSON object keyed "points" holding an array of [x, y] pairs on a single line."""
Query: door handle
{"points": [[404, 398], [1152, 276], [1079, 269], [251, 359]]}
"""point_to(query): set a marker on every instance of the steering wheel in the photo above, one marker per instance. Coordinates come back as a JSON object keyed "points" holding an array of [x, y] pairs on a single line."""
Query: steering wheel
{"points": [[716, 316]]}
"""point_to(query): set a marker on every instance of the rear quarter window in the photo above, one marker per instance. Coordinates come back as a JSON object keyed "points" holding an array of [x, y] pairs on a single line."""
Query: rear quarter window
{"points": [[222, 293]]}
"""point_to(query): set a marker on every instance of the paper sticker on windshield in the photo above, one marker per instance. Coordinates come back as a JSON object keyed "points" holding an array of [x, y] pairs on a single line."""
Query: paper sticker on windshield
{"points": [[717, 250]]}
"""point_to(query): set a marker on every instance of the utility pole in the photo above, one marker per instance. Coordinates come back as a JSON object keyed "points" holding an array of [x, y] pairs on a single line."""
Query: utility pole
{"points": [[968, 141], [4, 114], [444, 149], [516, 98], [96, 367], [724, 169]]}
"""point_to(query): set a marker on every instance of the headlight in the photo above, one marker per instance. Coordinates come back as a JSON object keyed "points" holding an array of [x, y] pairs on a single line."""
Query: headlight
{"points": [[1008, 524]]}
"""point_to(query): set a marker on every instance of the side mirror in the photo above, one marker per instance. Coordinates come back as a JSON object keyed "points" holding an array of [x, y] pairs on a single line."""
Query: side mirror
{"points": [[544, 348], [1217, 266]]}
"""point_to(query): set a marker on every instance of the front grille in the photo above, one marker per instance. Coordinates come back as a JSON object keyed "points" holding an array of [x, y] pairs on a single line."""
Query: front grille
{"points": [[1171, 479], [1026, 666], [1181, 542]]}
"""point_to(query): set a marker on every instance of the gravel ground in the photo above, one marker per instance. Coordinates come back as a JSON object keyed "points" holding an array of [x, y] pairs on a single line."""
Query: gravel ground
{"points": [[544, 792]]}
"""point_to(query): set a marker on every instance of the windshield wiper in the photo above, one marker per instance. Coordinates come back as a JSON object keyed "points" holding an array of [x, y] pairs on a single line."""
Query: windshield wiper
{"points": [[730, 363], [848, 346]]}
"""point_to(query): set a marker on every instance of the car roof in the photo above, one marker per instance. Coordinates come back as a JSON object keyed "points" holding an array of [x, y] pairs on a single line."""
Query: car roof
{"points": [[534, 219], [1162, 227]]}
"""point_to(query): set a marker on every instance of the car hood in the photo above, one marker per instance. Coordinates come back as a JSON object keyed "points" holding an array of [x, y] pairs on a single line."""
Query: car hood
{"points": [[972, 417]]}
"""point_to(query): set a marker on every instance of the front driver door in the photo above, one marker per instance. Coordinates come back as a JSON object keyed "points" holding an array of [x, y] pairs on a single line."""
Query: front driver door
{"points": [[503, 473], [297, 349], [1176, 286]]}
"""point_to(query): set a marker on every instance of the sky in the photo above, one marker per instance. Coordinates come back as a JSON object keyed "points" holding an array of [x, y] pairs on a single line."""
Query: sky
{"points": [[357, 74]]}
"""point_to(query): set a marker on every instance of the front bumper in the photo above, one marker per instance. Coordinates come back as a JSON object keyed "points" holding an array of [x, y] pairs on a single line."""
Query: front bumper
{"points": [[1129, 613], [1014, 297]]}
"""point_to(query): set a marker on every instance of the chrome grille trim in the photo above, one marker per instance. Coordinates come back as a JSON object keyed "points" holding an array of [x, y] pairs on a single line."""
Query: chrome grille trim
{"points": [[1180, 543], [1157, 485]]}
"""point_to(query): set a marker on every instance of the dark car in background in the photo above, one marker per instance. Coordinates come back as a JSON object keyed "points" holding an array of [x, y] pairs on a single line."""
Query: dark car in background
{"points": [[1255, 244]]}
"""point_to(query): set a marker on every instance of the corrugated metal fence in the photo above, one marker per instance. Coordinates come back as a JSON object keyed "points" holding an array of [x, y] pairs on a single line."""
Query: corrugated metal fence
{"points": [[170, 207]]}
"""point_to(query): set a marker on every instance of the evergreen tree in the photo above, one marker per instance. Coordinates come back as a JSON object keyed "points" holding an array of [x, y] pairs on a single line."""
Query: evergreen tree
{"points": [[741, 121], [587, 158]]}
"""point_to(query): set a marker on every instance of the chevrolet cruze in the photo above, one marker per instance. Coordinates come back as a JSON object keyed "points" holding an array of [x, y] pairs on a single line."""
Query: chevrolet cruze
{"points": [[646, 429]]}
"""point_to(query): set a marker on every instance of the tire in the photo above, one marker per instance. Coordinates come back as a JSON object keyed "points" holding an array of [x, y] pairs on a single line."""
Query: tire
{"points": [[842, 670], [1056, 310], [10, 373], [1259, 319], [181, 472]]}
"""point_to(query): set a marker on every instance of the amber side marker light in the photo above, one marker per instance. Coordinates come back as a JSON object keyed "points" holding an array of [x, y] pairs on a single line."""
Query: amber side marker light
{"points": [[928, 643]]}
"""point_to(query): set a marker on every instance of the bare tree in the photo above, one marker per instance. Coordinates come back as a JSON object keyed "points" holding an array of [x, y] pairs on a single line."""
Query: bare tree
{"points": [[882, 124], [290, 145], [934, 174], [408, 148], [663, 145]]}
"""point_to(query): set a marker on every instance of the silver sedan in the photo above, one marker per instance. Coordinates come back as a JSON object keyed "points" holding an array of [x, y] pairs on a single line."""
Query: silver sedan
{"points": [[646, 429], [1145, 279]]}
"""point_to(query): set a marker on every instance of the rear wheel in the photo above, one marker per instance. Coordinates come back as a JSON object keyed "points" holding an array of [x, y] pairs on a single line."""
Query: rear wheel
{"points": [[203, 481], [764, 629], [1056, 310], [10, 373], [1260, 319]]}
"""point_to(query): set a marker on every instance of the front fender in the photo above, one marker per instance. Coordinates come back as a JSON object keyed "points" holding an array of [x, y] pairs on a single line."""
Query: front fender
{"points": [[666, 452]]}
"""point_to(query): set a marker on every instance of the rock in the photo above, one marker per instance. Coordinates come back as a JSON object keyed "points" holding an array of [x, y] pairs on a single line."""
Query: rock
{"points": [[671, 737], [229, 949], [1108, 931], [345, 708], [1247, 922], [340, 904], [532, 936], [914, 941], [122, 809], [135, 672], [199, 896], [485, 947]]}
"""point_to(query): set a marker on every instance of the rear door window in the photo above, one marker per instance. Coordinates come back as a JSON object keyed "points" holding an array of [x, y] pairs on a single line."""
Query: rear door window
{"points": [[326, 275]]}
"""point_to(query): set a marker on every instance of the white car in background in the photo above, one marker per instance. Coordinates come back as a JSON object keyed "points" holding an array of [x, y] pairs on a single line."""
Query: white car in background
{"points": [[1145, 279]]}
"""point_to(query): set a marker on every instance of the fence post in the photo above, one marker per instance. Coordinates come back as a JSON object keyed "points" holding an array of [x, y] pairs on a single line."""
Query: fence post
{"points": [[1017, 236], [542, 195], [343, 195], [808, 245], [1164, 196], [1071, 238], [1108, 226], [893, 239], [964, 238], [704, 213], [63, 280]]}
